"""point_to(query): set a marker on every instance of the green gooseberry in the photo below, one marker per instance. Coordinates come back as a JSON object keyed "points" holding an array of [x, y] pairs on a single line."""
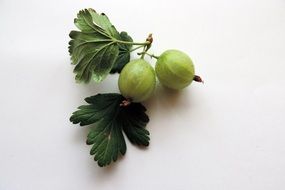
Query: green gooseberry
{"points": [[175, 69], [137, 80]]}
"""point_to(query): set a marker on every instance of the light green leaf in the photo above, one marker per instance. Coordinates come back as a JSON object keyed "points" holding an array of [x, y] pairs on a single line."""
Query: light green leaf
{"points": [[93, 49], [103, 21]]}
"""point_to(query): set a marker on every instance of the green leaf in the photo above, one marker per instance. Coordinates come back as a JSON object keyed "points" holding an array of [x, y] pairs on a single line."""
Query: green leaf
{"points": [[134, 120], [125, 37], [103, 21], [110, 119], [93, 49], [124, 53]]}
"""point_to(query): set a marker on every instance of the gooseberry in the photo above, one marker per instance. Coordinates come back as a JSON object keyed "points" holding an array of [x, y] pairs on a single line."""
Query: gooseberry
{"points": [[137, 80], [175, 69]]}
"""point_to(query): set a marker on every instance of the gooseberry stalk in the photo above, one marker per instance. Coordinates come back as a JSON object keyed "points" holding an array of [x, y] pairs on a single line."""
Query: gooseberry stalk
{"points": [[150, 55], [133, 43], [145, 45]]}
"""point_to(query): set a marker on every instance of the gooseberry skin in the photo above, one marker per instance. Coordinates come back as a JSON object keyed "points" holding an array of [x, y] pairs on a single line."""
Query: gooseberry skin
{"points": [[175, 69], [137, 80]]}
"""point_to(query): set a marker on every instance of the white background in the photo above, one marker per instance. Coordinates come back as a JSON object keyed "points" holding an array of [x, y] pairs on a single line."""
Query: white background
{"points": [[228, 134]]}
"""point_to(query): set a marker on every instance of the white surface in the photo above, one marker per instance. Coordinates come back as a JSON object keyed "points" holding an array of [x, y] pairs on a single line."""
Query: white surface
{"points": [[227, 134]]}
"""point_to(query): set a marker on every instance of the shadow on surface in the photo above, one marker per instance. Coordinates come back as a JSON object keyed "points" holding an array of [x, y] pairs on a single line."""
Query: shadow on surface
{"points": [[167, 100]]}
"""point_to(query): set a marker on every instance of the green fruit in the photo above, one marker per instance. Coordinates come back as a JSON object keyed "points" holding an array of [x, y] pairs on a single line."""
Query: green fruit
{"points": [[137, 80], [175, 69]]}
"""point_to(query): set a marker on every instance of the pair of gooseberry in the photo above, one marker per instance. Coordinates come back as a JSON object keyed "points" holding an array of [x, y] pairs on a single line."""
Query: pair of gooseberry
{"points": [[174, 69]]}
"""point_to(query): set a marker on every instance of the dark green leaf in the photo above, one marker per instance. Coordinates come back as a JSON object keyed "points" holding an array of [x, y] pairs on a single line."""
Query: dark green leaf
{"points": [[110, 119], [93, 49], [125, 37], [124, 53], [107, 141], [134, 120]]}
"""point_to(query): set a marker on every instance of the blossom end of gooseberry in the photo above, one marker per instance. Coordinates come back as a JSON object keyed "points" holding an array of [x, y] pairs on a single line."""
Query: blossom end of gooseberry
{"points": [[198, 79]]}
